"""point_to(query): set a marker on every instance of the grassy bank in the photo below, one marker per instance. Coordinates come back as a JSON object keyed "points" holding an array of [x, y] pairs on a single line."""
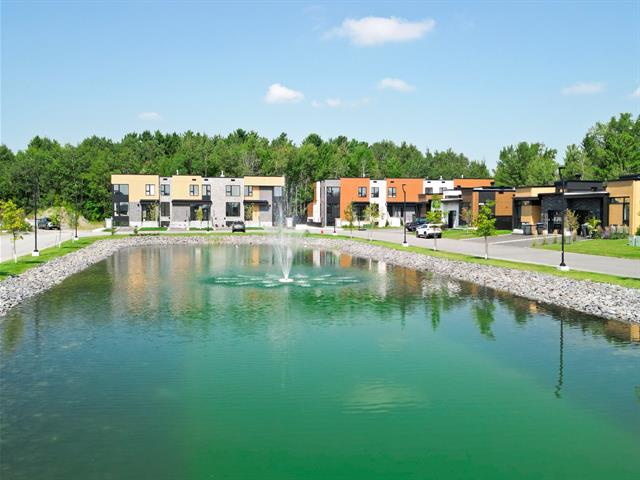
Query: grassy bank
{"points": [[529, 267], [609, 248], [26, 262]]}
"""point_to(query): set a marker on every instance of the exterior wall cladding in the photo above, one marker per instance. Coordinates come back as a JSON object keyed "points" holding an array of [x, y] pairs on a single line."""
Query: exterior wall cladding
{"points": [[151, 200]]}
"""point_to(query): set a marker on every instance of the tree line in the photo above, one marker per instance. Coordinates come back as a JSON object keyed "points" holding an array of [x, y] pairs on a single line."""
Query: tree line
{"points": [[64, 174]]}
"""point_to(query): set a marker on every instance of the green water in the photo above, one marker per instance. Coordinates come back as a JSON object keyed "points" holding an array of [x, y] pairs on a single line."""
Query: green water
{"points": [[193, 363]]}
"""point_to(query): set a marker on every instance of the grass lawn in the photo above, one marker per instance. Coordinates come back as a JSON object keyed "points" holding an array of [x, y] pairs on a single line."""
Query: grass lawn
{"points": [[530, 267], [459, 234], [609, 248], [152, 229]]}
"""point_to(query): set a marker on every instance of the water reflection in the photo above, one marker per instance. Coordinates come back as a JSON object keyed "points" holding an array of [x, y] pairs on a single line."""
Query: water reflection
{"points": [[146, 346]]}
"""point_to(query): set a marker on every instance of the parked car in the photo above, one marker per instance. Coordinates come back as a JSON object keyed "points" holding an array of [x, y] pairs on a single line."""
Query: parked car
{"points": [[45, 223], [429, 230], [412, 226], [238, 227]]}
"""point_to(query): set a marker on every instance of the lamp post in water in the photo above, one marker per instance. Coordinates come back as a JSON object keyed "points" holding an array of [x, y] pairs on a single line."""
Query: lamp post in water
{"points": [[562, 265], [404, 215]]}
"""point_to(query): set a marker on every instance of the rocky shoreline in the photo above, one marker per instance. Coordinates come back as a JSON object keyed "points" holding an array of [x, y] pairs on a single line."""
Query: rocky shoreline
{"points": [[606, 301]]}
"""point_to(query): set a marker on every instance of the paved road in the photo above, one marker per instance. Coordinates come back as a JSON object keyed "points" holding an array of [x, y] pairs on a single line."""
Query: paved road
{"points": [[505, 248], [46, 238]]}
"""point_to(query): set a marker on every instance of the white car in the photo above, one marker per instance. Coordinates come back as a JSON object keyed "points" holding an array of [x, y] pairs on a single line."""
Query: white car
{"points": [[429, 230]]}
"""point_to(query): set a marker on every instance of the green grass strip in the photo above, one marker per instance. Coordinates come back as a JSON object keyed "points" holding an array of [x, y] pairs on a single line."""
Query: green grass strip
{"points": [[618, 248]]}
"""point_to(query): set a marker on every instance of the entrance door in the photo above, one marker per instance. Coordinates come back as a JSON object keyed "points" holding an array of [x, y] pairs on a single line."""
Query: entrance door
{"points": [[451, 220]]}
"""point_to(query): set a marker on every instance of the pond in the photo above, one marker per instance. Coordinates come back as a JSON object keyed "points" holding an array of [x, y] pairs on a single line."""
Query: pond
{"points": [[191, 362]]}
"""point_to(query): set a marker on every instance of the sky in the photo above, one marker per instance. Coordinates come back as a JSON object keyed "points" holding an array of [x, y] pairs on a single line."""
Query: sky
{"points": [[471, 76]]}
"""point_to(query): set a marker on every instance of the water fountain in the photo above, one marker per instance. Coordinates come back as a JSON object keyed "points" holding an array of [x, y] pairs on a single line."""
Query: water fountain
{"points": [[284, 247]]}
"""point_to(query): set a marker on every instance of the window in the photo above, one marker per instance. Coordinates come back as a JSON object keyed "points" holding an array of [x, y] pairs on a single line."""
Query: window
{"points": [[149, 189], [248, 191], [232, 191], [277, 191], [165, 189], [165, 209], [392, 192], [333, 191], [428, 190], [122, 188], [206, 190], [121, 209], [362, 192], [194, 190], [233, 208], [375, 192]]}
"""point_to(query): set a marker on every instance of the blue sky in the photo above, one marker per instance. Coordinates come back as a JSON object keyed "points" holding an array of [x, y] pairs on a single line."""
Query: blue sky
{"points": [[473, 76]]}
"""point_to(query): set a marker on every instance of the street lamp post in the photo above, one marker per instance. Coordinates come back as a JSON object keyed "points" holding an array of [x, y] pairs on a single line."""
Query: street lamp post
{"points": [[75, 215], [404, 215], [562, 265], [36, 252]]}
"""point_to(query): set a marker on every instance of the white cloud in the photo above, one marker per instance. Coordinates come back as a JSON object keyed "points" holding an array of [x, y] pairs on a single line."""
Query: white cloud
{"points": [[583, 88], [369, 31], [636, 93], [278, 93], [395, 84], [152, 116], [339, 103]]}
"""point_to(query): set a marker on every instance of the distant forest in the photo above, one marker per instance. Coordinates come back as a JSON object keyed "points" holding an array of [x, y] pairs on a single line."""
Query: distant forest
{"points": [[62, 172]]}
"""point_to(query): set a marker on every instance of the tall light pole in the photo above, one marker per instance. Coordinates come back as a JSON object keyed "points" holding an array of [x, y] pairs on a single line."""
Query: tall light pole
{"points": [[75, 214], [404, 215], [562, 265], [36, 192]]}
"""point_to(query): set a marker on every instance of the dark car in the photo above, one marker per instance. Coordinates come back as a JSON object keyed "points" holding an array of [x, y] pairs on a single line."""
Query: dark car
{"points": [[45, 223], [412, 226], [238, 227]]}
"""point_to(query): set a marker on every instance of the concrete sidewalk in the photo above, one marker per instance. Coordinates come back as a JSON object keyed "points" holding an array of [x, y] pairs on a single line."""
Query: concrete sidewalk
{"points": [[621, 267]]}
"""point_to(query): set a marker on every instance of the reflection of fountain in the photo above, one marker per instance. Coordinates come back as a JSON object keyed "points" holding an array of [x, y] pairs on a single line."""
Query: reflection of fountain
{"points": [[285, 247]]}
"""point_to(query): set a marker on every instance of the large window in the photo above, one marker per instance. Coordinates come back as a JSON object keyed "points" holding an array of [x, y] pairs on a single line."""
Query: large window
{"points": [[121, 209], [165, 189], [362, 192], [232, 190], [375, 192], [392, 192], [233, 209], [194, 190], [121, 188], [333, 192], [206, 190], [248, 191], [428, 190], [165, 209], [149, 189]]}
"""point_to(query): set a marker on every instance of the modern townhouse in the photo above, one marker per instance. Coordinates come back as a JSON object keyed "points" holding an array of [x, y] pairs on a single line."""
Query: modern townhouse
{"points": [[624, 201], [263, 201], [615, 204], [501, 201], [395, 197], [193, 201]]}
